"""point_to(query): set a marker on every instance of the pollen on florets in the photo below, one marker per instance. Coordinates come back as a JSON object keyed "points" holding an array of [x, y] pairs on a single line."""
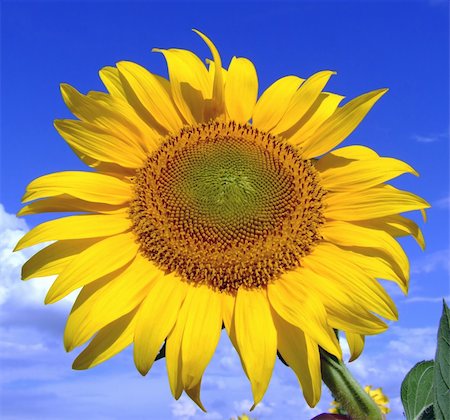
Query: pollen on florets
{"points": [[226, 205]]}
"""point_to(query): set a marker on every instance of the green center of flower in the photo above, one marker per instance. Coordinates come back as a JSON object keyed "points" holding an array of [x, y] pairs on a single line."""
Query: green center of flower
{"points": [[226, 205]]}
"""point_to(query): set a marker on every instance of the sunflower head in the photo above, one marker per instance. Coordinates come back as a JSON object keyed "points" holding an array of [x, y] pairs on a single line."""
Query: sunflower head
{"points": [[204, 205], [223, 205]]}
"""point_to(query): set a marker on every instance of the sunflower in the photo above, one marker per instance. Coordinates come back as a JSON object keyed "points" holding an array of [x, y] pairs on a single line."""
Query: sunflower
{"points": [[208, 207]]}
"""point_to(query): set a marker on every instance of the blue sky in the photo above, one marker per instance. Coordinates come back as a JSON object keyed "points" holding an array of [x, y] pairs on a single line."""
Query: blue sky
{"points": [[398, 44]]}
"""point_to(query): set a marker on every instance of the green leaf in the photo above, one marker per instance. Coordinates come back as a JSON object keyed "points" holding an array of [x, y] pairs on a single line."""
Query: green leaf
{"points": [[441, 382], [417, 390]]}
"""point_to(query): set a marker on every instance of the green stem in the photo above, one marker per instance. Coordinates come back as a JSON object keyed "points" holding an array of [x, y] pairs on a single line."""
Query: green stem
{"points": [[346, 390]]}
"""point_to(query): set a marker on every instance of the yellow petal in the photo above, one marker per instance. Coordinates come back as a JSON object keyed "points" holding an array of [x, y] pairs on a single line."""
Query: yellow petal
{"points": [[379, 265], [345, 155], [173, 353], [218, 106], [89, 186], [335, 264], [274, 102], [114, 117], [89, 290], [322, 109], [102, 258], [156, 318], [300, 306], [228, 305], [144, 90], [241, 90], [75, 227], [340, 125], [374, 202], [344, 310], [362, 174], [194, 395], [303, 100], [111, 79], [356, 345], [301, 353], [99, 96], [54, 258], [107, 168], [66, 203], [201, 333], [256, 338], [108, 342], [110, 302], [396, 225], [212, 72], [189, 81], [351, 235], [228, 302], [88, 139]]}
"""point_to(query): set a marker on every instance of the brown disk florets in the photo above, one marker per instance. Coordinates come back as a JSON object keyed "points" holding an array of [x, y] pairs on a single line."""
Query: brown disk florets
{"points": [[226, 205]]}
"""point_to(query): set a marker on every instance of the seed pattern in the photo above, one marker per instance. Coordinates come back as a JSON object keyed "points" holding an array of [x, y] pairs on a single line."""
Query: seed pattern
{"points": [[226, 205]]}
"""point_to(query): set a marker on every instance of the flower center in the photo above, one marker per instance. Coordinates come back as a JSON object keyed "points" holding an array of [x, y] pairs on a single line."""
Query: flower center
{"points": [[226, 205]]}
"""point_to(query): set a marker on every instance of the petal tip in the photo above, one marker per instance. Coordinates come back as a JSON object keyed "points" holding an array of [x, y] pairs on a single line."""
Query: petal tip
{"points": [[22, 212], [51, 297], [194, 395], [69, 345], [80, 363], [141, 366], [24, 275], [19, 245], [65, 87], [142, 370]]}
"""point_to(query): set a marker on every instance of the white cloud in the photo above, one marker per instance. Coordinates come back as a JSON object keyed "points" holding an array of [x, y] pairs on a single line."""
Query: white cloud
{"points": [[430, 138], [213, 382], [261, 409], [14, 291], [414, 343], [427, 299], [212, 415], [433, 261], [9, 222], [184, 408]]}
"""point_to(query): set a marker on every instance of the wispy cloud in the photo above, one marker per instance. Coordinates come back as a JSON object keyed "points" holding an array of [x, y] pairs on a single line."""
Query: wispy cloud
{"points": [[434, 261], [430, 138], [427, 299], [260, 410], [184, 409]]}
